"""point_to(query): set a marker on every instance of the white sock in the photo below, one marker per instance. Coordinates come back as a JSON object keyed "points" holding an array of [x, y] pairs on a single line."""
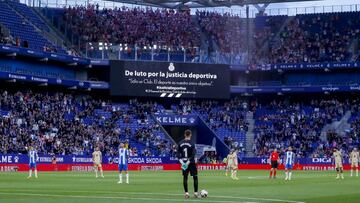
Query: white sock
{"points": [[286, 175], [289, 175], [101, 173], [357, 172], [127, 178], [120, 178], [35, 171], [96, 175], [351, 172], [30, 173]]}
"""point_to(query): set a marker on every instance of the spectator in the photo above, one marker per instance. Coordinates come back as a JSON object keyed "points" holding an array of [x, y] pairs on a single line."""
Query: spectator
{"points": [[63, 124]]}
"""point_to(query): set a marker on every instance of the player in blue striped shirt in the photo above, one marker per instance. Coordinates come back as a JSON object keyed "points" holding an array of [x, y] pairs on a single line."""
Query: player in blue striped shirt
{"points": [[33, 158], [289, 163], [123, 162]]}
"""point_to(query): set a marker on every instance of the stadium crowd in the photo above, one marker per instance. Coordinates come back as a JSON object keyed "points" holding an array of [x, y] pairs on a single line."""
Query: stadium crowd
{"points": [[300, 126], [350, 138], [283, 123], [65, 124], [142, 27], [58, 123], [223, 29], [346, 140], [231, 114], [304, 38], [161, 27], [307, 38]]}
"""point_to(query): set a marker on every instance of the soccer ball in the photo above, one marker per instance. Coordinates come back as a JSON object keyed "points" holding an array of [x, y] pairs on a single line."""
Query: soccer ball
{"points": [[204, 193]]}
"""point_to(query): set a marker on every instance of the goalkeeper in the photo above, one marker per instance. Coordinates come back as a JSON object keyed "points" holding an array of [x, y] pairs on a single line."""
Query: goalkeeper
{"points": [[186, 155]]}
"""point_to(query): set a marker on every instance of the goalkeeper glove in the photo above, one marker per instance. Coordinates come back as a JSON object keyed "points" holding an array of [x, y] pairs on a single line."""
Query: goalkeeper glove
{"points": [[184, 166]]}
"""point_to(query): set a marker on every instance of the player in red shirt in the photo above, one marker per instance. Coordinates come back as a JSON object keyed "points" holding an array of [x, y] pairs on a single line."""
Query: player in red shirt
{"points": [[274, 162]]}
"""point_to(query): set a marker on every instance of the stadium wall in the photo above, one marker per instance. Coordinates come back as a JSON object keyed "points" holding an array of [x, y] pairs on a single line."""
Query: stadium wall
{"points": [[36, 69]]}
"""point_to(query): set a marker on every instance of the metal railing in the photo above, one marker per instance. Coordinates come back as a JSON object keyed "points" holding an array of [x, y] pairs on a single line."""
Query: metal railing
{"points": [[109, 51], [238, 11]]}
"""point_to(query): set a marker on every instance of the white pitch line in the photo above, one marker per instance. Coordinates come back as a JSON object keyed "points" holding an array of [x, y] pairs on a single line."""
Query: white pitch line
{"points": [[167, 194], [228, 197], [112, 197], [261, 199]]}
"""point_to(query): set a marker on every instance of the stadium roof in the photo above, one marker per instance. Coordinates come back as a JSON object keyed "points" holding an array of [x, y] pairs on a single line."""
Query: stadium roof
{"points": [[201, 3]]}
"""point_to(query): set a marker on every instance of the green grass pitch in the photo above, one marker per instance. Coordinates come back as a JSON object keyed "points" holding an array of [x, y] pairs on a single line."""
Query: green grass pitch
{"points": [[160, 186]]}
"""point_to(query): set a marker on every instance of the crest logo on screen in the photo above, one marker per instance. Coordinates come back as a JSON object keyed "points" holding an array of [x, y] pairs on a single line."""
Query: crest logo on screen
{"points": [[171, 67]]}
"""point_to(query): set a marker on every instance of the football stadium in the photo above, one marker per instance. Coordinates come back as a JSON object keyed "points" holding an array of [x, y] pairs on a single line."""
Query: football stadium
{"points": [[219, 101]]}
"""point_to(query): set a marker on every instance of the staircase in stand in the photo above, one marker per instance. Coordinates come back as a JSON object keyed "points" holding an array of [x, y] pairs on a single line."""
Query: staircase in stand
{"points": [[250, 134]]}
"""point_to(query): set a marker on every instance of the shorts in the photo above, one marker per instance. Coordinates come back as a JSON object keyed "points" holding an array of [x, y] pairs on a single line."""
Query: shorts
{"points": [[288, 166], [123, 167], [274, 164], [338, 165], [32, 165], [354, 164], [233, 167], [192, 169], [97, 165]]}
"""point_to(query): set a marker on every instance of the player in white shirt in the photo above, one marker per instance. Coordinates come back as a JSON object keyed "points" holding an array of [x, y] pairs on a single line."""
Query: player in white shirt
{"points": [[226, 161], [354, 161], [123, 162], [338, 163], [97, 160], [289, 163], [233, 164], [33, 158]]}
